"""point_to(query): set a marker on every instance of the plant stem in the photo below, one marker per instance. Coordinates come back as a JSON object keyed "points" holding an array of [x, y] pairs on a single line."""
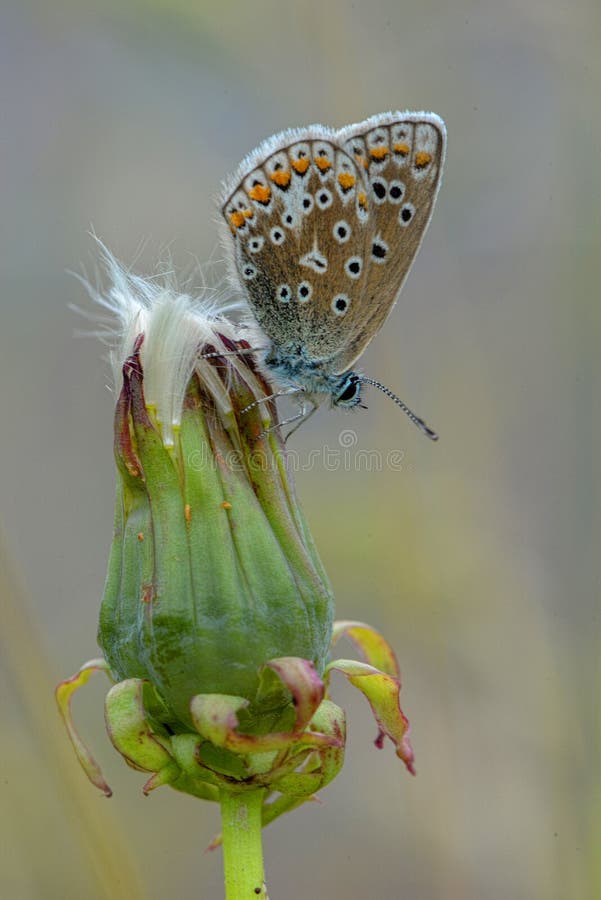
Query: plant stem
{"points": [[242, 847]]}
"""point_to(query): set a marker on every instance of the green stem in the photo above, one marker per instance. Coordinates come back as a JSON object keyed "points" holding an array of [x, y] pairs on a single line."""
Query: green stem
{"points": [[242, 848]]}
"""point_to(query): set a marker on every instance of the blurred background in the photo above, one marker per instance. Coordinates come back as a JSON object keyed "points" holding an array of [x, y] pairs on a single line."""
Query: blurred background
{"points": [[477, 556]]}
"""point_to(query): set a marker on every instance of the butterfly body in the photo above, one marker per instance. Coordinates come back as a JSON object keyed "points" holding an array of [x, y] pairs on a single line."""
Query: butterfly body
{"points": [[293, 367], [321, 228]]}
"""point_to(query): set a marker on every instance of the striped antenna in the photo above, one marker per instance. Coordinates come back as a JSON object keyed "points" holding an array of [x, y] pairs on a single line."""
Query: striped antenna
{"points": [[415, 419]]}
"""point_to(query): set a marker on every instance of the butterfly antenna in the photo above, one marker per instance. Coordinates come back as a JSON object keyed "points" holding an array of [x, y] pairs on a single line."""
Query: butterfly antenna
{"points": [[411, 415]]}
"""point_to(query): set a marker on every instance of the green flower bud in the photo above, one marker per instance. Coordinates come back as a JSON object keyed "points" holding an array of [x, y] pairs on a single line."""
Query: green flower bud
{"points": [[216, 619], [212, 570]]}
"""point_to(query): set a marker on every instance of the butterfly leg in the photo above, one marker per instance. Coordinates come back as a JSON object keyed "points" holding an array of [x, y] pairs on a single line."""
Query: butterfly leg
{"points": [[269, 397], [303, 416], [300, 418], [242, 351]]}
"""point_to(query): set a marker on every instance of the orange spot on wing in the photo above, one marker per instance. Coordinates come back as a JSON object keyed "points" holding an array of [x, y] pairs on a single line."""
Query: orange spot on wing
{"points": [[346, 181], [281, 178], [362, 198], [323, 163], [361, 161], [422, 159], [379, 153], [247, 213], [402, 148], [260, 192], [237, 219], [300, 165]]}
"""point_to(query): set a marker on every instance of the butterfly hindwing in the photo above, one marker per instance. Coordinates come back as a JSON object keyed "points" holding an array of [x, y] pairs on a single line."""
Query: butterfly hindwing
{"points": [[301, 232]]}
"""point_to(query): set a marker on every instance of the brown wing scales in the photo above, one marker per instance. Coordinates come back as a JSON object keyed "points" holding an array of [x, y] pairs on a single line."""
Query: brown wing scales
{"points": [[403, 160], [325, 230], [301, 234]]}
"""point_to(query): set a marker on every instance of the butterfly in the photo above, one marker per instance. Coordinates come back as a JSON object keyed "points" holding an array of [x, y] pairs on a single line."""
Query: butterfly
{"points": [[320, 229]]}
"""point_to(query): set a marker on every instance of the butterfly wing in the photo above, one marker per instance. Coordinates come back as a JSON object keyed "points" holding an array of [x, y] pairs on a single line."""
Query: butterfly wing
{"points": [[297, 233], [402, 155], [321, 229]]}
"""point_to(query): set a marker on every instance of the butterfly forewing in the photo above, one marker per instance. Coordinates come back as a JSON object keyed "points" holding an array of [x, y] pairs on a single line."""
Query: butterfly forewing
{"points": [[403, 156]]}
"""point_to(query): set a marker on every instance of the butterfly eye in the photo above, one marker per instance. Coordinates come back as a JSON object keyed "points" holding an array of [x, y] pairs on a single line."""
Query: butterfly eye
{"points": [[350, 394]]}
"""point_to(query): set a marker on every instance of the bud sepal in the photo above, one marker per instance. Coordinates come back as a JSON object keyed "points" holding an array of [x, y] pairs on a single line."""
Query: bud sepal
{"points": [[379, 680], [229, 748], [218, 755]]}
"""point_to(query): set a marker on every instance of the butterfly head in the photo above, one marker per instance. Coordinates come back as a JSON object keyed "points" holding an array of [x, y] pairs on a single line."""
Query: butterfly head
{"points": [[347, 391]]}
